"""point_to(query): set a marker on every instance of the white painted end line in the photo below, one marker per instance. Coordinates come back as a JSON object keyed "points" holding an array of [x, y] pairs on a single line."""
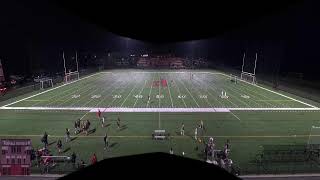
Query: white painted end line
{"points": [[273, 92], [49, 90]]}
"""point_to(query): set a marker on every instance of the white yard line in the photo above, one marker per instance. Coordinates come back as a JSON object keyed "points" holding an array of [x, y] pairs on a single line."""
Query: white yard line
{"points": [[275, 92], [231, 95], [159, 125], [199, 93], [83, 94], [126, 84], [200, 82], [140, 93], [218, 93], [49, 90], [162, 109], [58, 94], [159, 89], [177, 87], [168, 84], [134, 87], [110, 86], [190, 94], [150, 91], [235, 116]]}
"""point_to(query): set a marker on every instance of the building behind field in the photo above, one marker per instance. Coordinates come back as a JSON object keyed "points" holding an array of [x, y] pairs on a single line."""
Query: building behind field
{"points": [[15, 157]]}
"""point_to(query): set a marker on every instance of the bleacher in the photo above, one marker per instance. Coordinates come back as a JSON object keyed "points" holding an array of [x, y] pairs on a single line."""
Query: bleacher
{"points": [[161, 62]]}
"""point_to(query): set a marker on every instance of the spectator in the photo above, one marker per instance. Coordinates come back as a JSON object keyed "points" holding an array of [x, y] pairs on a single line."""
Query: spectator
{"points": [[73, 159], [94, 159], [82, 164]]}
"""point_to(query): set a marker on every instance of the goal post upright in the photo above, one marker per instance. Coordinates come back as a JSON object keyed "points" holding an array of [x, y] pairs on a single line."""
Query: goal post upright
{"points": [[64, 63], [69, 76], [244, 56], [77, 64], [249, 74], [255, 64]]}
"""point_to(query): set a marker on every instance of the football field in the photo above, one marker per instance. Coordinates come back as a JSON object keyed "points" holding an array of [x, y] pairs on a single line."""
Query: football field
{"points": [[254, 118], [159, 90]]}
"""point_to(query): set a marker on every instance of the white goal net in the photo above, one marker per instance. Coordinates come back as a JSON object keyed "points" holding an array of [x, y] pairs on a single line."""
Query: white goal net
{"points": [[248, 77], [71, 76]]}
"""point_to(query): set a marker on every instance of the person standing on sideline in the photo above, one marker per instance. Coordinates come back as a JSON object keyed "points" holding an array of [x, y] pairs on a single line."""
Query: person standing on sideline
{"points": [[105, 140], [182, 130], [67, 135], [171, 151], [94, 159]]}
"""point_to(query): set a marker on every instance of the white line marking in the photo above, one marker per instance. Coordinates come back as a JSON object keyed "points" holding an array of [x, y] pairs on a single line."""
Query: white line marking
{"points": [[145, 82], [150, 91], [168, 84], [159, 89], [49, 90], [190, 93], [164, 109], [235, 116], [177, 87], [134, 87], [110, 86], [275, 92]]}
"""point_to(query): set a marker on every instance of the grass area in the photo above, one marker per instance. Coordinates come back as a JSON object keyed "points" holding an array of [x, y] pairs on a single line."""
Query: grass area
{"points": [[251, 133], [166, 90], [248, 136]]}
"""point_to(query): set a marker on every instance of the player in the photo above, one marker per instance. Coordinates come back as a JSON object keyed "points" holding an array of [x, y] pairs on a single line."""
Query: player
{"points": [[102, 121], [45, 139], [105, 140], [99, 114], [76, 127], [196, 133], [171, 151], [227, 148], [118, 122], [201, 125], [67, 135], [59, 145], [148, 98], [182, 130]]}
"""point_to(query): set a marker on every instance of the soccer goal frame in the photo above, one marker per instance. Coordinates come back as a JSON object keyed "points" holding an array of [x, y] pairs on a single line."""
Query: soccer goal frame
{"points": [[249, 76], [71, 76], [233, 78], [44, 81]]}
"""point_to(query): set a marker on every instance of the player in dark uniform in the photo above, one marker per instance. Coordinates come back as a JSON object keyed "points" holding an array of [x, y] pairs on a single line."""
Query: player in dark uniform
{"points": [[59, 145], [105, 140], [118, 122], [67, 135], [45, 139]]}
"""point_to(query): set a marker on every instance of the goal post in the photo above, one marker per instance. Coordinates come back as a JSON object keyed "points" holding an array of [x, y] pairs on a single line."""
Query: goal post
{"points": [[249, 76], [71, 75]]}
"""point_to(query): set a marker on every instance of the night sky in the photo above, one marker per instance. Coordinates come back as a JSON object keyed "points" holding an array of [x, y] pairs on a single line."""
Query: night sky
{"points": [[34, 33]]}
